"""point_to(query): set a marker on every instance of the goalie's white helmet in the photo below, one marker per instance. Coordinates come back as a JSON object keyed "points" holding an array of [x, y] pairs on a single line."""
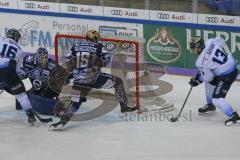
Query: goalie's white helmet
{"points": [[93, 36], [13, 34], [42, 56]]}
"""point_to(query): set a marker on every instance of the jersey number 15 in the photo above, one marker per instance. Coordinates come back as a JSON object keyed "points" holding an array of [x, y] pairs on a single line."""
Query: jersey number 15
{"points": [[83, 59]]}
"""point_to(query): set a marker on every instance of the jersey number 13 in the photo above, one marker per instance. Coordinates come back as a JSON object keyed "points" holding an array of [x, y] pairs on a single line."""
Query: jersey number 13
{"points": [[220, 57]]}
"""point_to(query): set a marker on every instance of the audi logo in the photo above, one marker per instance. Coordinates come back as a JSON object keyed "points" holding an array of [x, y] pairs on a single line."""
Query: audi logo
{"points": [[72, 9], [212, 19], [30, 5], [163, 16], [117, 12]]}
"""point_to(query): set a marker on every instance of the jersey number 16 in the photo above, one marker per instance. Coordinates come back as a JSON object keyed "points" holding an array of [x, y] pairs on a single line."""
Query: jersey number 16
{"points": [[8, 51]]}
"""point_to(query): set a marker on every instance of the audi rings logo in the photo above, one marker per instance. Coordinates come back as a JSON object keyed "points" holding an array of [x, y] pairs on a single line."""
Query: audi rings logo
{"points": [[212, 19], [163, 16], [72, 9], [117, 12], [30, 5]]}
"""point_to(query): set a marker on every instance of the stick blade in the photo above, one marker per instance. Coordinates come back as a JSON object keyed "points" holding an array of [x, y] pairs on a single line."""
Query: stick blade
{"points": [[173, 119]]}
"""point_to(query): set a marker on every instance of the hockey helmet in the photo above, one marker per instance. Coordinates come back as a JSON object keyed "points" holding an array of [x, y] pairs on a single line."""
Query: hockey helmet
{"points": [[42, 57], [196, 42], [93, 36], [13, 34]]}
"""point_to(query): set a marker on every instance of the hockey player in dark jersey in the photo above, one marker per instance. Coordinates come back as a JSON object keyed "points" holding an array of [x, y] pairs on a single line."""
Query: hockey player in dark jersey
{"points": [[40, 69], [85, 61]]}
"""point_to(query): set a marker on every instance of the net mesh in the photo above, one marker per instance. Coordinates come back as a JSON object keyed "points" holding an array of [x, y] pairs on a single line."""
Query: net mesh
{"points": [[127, 63]]}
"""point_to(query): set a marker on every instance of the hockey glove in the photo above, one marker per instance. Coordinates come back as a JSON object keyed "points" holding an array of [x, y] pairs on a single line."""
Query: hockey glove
{"points": [[194, 82], [67, 81]]}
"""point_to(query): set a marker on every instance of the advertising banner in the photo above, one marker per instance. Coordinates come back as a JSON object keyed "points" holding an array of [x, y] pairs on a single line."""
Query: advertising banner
{"points": [[173, 16], [9, 4], [39, 31], [170, 45]]}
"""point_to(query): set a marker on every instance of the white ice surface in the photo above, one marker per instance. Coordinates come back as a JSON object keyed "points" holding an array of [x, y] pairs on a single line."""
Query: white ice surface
{"points": [[110, 138]]}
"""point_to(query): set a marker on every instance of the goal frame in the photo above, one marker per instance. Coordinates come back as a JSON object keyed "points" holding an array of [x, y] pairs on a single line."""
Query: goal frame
{"points": [[137, 57]]}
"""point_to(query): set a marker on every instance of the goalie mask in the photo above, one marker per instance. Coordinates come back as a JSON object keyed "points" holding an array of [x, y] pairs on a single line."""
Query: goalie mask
{"points": [[42, 57], [196, 45], [93, 36], [13, 34]]}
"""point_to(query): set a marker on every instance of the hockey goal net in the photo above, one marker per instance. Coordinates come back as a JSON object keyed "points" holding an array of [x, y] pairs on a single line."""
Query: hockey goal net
{"points": [[127, 62]]}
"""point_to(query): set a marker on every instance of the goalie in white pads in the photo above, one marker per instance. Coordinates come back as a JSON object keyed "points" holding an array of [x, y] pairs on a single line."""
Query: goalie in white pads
{"points": [[11, 54], [85, 61], [218, 70]]}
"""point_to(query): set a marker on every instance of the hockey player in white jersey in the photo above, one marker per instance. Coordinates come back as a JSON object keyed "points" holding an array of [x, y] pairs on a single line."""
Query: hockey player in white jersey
{"points": [[10, 55], [218, 70]]}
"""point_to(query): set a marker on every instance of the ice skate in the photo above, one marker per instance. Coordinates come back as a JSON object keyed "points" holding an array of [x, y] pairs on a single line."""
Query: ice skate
{"points": [[67, 115], [208, 108], [235, 120], [31, 117], [128, 109]]}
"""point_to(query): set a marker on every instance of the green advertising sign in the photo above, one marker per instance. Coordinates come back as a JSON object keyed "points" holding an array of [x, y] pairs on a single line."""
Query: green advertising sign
{"points": [[169, 45]]}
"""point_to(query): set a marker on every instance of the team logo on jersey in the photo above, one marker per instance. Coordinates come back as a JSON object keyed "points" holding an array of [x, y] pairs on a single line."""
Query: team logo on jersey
{"points": [[29, 59], [46, 72], [163, 47]]}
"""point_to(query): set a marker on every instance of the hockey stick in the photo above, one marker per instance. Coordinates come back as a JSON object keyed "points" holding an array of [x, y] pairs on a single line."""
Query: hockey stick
{"points": [[176, 118], [43, 120]]}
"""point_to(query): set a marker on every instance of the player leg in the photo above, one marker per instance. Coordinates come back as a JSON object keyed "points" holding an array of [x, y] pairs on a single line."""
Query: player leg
{"points": [[222, 87], [81, 90], [109, 81], [78, 96], [15, 87], [209, 107]]}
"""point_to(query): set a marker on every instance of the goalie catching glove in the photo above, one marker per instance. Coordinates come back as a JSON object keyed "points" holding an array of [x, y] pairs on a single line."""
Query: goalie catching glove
{"points": [[57, 78]]}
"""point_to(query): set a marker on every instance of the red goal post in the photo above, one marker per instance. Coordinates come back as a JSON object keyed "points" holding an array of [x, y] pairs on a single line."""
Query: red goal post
{"points": [[128, 63]]}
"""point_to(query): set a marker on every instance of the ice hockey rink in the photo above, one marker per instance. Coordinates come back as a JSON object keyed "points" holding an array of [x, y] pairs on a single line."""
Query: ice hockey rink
{"points": [[112, 138]]}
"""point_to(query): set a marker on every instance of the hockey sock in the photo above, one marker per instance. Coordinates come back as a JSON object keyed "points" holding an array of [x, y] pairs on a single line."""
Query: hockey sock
{"points": [[22, 98], [120, 91], [209, 91], [225, 107]]}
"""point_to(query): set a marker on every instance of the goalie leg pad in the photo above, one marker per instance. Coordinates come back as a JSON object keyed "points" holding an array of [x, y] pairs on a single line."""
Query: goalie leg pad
{"points": [[43, 105]]}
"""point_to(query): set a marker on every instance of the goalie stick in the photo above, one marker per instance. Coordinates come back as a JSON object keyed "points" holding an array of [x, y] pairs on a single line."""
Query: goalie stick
{"points": [[174, 119], [43, 120]]}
